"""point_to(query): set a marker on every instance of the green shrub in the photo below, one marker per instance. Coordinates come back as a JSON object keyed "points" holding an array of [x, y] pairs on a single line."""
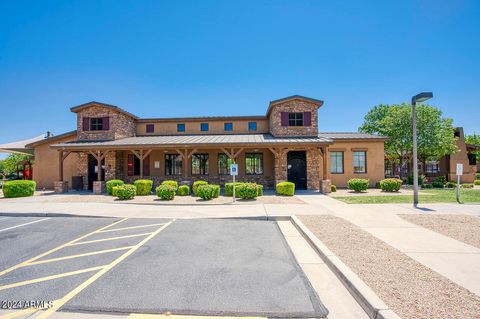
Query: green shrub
{"points": [[126, 191], [390, 184], [467, 185], [477, 175], [439, 182], [427, 186], [207, 192], [421, 180], [144, 186], [196, 184], [247, 191], [114, 190], [19, 188], [477, 182], [165, 192], [358, 184], [450, 185], [111, 184], [183, 190], [171, 183], [378, 185], [229, 188], [259, 190], [285, 188], [333, 188]]}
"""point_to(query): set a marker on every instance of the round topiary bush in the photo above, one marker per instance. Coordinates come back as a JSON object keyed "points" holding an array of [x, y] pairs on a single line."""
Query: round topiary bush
{"points": [[165, 192], [171, 183], [111, 184], [183, 190], [229, 188], [450, 185], [390, 184], [114, 190], [19, 188], [477, 182], [126, 191], [196, 184], [208, 192], [358, 184], [247, 191], [259, 190], [144, 186], [285, 188], [333, 188]]}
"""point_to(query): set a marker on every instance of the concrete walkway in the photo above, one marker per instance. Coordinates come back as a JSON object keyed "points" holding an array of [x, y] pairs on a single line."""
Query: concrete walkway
{"points": [[453, 259]]}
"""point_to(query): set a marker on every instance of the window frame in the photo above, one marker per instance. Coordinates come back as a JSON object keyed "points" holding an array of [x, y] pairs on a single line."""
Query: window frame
{"points": [[173, 158], [254, 154], [252, 126], [181, 125], [364, 162], [226, 125], [297, 120], [202, 162], [150, 126], [227, 164], [432, 164], [98, 125], [343, 162], [203, 126]]}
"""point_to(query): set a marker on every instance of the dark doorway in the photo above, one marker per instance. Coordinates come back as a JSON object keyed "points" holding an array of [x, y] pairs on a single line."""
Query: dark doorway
{"points": [[93, 170], [297, 169]]}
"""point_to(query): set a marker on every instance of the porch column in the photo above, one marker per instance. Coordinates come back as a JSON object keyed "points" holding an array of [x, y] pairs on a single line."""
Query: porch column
{"points": [[185, 155], [232, 154], [326, 184], [279, 167], [60, 165], [99, 185], [61, 186], [141, 155]]}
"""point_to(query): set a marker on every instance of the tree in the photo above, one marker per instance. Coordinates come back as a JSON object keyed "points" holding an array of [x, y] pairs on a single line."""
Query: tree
{"points": [[10, 162], [475, 140], [435, 134]]}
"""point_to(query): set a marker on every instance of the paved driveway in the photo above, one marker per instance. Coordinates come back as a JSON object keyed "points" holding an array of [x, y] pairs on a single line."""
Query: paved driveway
{"points": [[232, 267]]}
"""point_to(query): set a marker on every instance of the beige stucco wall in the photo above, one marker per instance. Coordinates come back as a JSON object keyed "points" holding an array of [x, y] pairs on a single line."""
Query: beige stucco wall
{"points": [[461, 157], [46, 164], [375, 161]]}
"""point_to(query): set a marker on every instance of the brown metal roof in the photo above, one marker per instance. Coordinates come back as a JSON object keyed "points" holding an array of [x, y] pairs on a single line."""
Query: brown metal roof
{"points": [[196, 140], [51, 139], [351, 136]]}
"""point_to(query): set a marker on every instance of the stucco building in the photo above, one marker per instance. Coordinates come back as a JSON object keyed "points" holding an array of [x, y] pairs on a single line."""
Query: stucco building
{"points": [[284, 144]]}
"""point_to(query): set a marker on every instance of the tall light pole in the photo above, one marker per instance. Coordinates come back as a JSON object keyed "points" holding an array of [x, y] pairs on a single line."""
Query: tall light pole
{"points": [[421, 97]]}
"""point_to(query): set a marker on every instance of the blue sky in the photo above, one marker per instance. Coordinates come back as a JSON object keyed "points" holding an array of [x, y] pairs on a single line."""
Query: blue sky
{"points": [[187, 58]]}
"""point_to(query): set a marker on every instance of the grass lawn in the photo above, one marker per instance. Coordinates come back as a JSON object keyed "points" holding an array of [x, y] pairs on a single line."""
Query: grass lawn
{"points": [[434, 196]]}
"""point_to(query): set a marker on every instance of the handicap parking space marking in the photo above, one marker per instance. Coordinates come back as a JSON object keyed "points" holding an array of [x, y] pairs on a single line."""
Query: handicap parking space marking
{"points": [[25, 224], [131, 227], [108, 239], [99, 270]]}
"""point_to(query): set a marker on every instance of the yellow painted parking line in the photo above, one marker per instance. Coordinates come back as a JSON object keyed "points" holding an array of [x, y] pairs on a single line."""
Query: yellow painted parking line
{"points": [[26, 262], [132, 227], [59, 303], [79, 255], [168, 316], [65, 274], [108, 239]]}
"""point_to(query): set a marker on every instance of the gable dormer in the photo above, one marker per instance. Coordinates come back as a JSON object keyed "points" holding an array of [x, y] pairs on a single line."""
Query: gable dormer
{"points": [[100, 121], [294, 116]]}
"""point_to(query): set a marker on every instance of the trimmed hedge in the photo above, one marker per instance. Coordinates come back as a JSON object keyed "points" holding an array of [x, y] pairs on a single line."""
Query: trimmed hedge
{"points": [[114, 190], [126, 191], [358, 184], [171, 183], [229, 188], [390, 184], [144, 186], [477, 182], [450, 185], [165, 191], [196, 184], [207, 192], [19, 188], [333, 188], [467, 185], [111, 184], [477, 175], [247, 191], [439, 182], [285, 188], [183, 190], [259, 189]]}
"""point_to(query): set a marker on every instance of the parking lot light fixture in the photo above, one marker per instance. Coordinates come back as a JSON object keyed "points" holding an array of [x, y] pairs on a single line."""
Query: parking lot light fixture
{"points": [[419, 98]]}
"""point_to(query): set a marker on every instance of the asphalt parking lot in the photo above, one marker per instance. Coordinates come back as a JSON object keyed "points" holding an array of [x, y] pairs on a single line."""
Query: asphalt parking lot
{"points": [[227, 267]]}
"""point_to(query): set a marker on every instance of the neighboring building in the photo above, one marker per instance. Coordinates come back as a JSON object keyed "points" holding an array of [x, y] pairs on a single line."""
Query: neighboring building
{"points": [[282, 145], [445, 166]]}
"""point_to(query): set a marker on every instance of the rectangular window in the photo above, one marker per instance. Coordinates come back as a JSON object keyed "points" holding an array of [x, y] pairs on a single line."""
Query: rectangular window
{"points": [[432, 167], [150, 128], [224, 164], [360, 162], [295, 119], [96, 124], [252, 126], [204, 127], [173, 164], [200, 164], [181, 127], [134, 165], [254, 163], [228, 126], [336, 162]]}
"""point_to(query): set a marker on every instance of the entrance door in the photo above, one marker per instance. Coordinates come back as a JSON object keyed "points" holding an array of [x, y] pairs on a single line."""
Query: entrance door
{"points": [[93, 170], [297, 169]]}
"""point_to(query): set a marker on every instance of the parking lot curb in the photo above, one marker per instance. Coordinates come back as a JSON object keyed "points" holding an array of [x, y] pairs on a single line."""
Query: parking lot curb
{"points": [[47, 214], [365, 296]]}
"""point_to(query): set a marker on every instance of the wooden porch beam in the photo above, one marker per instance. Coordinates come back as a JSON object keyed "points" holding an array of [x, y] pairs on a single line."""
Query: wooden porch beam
{"points": [[60, 166]]}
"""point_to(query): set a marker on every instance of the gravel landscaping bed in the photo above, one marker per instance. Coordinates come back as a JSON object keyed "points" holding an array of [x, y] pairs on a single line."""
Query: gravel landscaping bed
{"points": [[406, 286], [464, 228]]}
